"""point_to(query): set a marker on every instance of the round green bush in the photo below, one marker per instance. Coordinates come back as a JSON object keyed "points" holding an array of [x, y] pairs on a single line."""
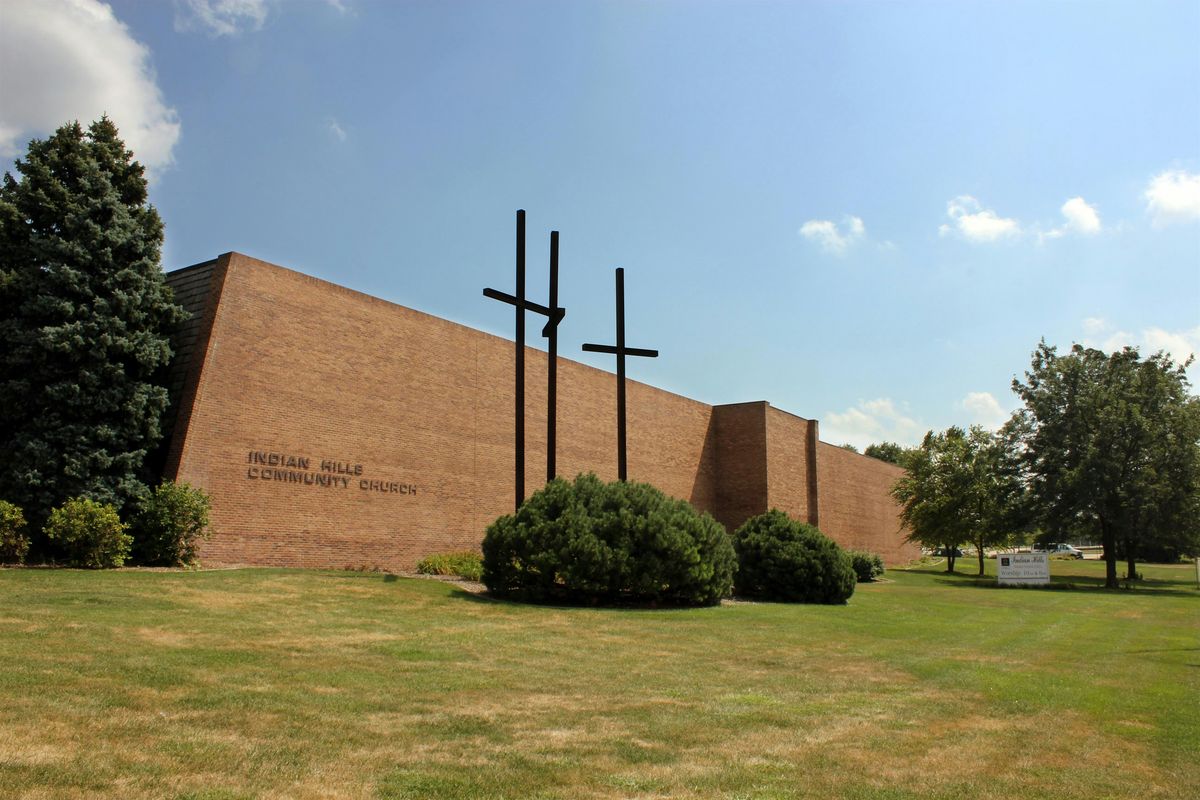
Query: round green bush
{"points": [[88, 534], [14, 544], [169, 524], [867, 566], [781, 559], [585, 541]]}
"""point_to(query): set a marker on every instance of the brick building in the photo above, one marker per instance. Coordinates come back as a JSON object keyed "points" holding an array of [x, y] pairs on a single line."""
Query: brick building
{"points": [[335, 429]]}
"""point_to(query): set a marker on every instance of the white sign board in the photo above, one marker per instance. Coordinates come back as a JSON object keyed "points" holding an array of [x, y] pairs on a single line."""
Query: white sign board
{"points": [[1023, 569]]}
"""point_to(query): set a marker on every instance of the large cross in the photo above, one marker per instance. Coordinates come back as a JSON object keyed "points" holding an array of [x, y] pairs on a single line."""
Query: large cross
{"points": [[620, 350], [554, 315]]}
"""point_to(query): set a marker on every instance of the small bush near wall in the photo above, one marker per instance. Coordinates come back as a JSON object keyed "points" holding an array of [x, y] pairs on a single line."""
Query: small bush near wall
{"points": [[14, 544], [867, 566], [464, 565], [88, 534], [588, 541], [169, 524], [781, 559]]}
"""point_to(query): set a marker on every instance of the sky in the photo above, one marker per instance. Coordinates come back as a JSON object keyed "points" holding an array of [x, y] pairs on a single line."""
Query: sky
{"points": [[869, 213]]}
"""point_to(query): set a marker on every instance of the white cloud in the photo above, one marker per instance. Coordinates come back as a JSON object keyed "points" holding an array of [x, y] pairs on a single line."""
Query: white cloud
{"points": [[337, 130], [975, 223], [63, 60], [1173, 196], [983, 409], [231, 17], [220, 17], [1117, 340], [871, 422], [833, 239], [1081, 217], [1179, 344]]}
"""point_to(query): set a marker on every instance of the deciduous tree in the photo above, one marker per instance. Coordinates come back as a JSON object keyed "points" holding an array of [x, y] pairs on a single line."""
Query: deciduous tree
{"points": [[961, 486], [889, 452], [1112, 444]]}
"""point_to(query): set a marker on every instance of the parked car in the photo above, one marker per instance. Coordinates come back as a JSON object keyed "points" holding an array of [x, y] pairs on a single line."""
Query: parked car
{"points": [[1060, 549], [942, 551]]}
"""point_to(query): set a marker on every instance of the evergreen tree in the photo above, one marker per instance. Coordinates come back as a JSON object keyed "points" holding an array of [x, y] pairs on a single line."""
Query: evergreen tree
{"points": [[84, 319]]}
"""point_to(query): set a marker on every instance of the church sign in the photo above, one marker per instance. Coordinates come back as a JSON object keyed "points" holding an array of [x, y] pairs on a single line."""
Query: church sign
{"points": [[1023, 569]]}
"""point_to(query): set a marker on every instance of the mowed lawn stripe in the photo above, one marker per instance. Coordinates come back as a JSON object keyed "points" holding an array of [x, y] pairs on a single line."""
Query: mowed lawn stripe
{"points": [[280, 683]]}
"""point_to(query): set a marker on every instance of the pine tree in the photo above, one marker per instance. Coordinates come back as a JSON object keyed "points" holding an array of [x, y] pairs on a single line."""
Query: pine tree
{"points": [[84, 322]]}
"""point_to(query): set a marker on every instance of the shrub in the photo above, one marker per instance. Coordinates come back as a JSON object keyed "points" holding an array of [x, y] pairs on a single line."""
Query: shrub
{"points": [[464, 565], [587, 541], [89, 534], [867, 566], [14, 544], [781, 559], [169, 524]]}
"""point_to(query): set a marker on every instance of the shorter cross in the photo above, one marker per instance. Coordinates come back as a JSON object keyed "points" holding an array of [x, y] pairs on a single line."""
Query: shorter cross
{"points": [[620, 351]]}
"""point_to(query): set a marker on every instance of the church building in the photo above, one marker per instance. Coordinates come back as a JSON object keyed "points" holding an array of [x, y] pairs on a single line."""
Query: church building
{"points": [[335, 429]]}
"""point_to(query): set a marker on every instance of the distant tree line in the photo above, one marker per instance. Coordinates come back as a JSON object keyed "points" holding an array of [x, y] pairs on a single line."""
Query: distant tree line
{"points": [[1106, 447], [889, 452]]}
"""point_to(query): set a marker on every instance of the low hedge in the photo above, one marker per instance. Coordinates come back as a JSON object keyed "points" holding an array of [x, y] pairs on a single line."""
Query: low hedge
{"points": [[14, 544], [867, 566], [585, 541], [465, 565], [88, 534], [781, 559], [169, 524]]}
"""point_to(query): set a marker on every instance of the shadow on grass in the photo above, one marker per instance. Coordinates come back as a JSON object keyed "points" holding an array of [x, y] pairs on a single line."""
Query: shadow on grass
{"points": [[1058, 583], [353, 573], [559, 605], [480, 597]]}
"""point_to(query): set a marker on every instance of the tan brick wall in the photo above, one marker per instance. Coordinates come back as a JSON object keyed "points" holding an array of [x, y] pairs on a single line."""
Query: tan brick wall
{"points": [[739, 446], [856, 509], [296, 366], [788, 464]]}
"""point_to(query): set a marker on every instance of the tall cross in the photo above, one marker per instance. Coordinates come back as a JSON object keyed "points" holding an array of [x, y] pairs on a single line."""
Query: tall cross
{"points": [[554, 315], [620, 350], [550, 331]]}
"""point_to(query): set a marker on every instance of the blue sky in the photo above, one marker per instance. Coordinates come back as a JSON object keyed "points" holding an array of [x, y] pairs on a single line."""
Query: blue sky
{"points": [[868, 213]]}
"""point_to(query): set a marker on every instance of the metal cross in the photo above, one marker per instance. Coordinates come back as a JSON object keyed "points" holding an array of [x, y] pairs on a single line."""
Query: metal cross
{"points": [[620, 350], [554, 315]]}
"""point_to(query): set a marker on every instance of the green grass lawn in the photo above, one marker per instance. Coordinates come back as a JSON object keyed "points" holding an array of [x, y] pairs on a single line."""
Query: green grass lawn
{"points": [[300, 684]]}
